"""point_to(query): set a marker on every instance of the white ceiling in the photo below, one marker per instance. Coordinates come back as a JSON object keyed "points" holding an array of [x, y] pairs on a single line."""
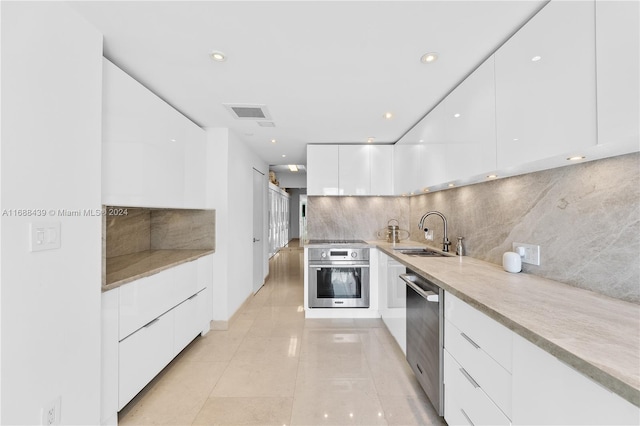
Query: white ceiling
{"points": [[326, 70]]}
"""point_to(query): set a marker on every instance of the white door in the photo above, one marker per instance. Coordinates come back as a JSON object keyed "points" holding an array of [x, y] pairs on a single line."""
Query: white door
{"points": [[258, 243]]}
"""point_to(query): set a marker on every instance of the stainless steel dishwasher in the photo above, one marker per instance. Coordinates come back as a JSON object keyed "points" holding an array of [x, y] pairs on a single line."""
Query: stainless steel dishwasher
{"points": [[425, 333]]}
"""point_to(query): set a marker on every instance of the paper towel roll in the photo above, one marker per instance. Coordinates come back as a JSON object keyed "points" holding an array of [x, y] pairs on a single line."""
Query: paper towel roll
{"points": [[511, 262]]}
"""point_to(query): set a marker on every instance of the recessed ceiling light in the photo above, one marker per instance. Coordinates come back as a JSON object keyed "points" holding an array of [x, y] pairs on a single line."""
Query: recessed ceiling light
{"points": [[577, 158], [429, 57], [293, 167], [451, 185], [370, 139], [536, 58], [421, 140], [492, 176], [273, 141], [425, 189], [516, 139], [173, 140], [218, 56], [456, 115], [284, 155], [388, 115]]}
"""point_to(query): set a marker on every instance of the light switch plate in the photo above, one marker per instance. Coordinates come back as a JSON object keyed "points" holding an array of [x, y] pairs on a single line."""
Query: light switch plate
{"points": [[44, 236], [531, 253]]}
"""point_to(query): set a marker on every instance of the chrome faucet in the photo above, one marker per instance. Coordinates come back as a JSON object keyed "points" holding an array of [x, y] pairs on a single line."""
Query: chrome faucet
{"points": [[445, 240]]}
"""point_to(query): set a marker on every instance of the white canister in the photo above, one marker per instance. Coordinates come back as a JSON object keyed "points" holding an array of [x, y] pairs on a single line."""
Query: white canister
{"points": [[511, 262]]}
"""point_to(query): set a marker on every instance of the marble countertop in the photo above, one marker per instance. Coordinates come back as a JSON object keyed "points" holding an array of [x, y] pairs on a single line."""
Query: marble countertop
{"points": [[595, 334], [130, 267]]}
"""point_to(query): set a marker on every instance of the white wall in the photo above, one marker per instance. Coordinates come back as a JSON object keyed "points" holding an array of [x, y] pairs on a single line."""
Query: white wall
{"points": [[50, 159], [294, 212], [231, 194]]}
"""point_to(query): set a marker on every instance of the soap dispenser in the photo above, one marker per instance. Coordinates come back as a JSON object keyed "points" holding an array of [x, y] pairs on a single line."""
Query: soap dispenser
{"points": [[460, 247]]}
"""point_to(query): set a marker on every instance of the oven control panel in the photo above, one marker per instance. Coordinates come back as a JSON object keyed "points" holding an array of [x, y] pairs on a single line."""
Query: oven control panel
{"points": [[333, 254]]}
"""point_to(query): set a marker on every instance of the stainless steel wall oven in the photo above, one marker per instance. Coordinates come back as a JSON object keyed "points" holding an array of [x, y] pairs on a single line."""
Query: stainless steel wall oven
{"points": [[338, 277]]}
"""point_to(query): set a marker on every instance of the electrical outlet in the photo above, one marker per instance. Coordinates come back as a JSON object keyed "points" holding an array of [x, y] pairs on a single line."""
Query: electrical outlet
{"points": [[51, 413], [531, 253]]}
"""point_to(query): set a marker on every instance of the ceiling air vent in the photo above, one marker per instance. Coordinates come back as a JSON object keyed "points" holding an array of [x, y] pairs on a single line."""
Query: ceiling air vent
{"points": [[266, 124], [248, 111]]}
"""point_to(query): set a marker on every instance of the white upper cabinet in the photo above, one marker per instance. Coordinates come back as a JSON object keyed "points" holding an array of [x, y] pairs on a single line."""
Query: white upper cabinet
{"points": [[617, 51], [545, 86], [470, 125], [152, 156], [432, 134], [381, 162], [195, 167], [456, 140], [406, 168], [354, 169], [322, 169], [349, 170]]}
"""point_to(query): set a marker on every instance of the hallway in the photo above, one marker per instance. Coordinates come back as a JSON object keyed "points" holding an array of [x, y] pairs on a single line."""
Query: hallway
{"points": [[273, 367]]}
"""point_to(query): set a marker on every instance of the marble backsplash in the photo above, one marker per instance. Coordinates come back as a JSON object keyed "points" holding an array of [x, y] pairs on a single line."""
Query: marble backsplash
{"points": [[143, 229], [348, 218], [183, 229], [585, 217]]}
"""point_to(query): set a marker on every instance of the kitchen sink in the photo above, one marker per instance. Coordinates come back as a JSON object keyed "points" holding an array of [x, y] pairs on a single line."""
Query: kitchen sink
{"points": [[421, 252]]}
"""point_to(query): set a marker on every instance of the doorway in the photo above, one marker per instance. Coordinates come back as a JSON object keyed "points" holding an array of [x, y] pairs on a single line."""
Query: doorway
{"points": [[259, 183]]}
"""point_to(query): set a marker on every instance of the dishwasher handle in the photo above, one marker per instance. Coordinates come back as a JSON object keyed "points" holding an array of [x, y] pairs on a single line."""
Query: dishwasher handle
{"points": [[428, 295]]}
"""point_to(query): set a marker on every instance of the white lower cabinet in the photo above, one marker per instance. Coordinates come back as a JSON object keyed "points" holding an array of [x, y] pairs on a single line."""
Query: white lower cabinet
{"points": [[392, 299], [547, 391], [144, 354], [477, 366], [109, 360], [188, 320], [146, 323], [494, 376], [465, 400]]}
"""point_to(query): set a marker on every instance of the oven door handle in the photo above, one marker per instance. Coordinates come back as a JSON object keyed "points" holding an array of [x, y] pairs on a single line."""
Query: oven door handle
{"points": [[428, 295], [339, 266]]}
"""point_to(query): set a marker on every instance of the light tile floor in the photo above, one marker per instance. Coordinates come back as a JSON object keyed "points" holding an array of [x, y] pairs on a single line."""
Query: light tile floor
{"points": [[273, 367]]}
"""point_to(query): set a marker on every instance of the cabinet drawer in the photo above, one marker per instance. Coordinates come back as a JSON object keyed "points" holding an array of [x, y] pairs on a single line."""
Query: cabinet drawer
{"points": [[188, 321], [477, 406], [185, 280], [492, 337], [142, 355], [146, 299], [491, 376], [205, 271]]}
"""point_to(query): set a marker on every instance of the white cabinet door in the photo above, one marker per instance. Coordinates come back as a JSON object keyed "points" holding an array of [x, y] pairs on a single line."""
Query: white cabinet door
{"points": [[547, 391], [188, 320], [396, 309], [545, 86], [354, 169], [406, 168], [109, 356], [205, 280], [470, 404], [322, 170], [141, 164], [153, 156], [470, 124], [145, 299], [381, 169], [144, 354], [195, 168], [433, 164], [617, 52]]}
